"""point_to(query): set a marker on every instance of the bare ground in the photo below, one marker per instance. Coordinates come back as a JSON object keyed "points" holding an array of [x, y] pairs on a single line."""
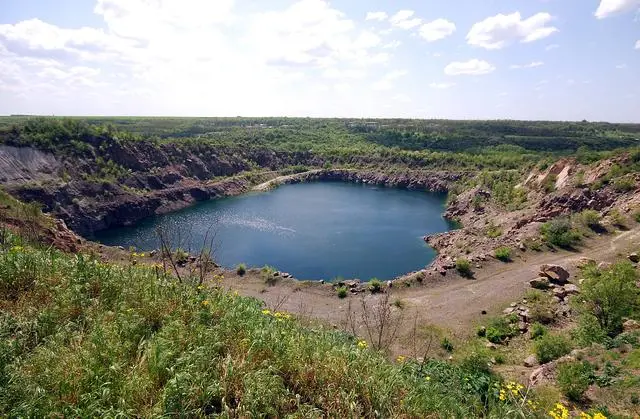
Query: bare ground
{"points": [[452, 302]]}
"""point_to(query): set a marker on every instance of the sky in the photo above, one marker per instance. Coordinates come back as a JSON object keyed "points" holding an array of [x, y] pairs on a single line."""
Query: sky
{"points": [[457, 59]]}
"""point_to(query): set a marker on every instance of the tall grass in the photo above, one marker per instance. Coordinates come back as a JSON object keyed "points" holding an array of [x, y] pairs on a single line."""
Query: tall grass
{"points": [[82, 338]]}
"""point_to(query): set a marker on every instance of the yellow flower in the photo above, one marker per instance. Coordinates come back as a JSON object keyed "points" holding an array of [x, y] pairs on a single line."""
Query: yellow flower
{"points": [[17, 249], [400, 359], [427, 378], [266, 312], [503, 396], [599, 416], [205, 303], [362, 344]]}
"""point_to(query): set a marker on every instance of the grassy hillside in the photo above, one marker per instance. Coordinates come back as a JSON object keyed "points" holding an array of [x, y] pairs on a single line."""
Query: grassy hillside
{"points": [[84, 338]]}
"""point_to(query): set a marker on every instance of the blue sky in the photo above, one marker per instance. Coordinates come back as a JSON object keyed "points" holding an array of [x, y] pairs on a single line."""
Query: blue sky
{"points": [[460, 59]]}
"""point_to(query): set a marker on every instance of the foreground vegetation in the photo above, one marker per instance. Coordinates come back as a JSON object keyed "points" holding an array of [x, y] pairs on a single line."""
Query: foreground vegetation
{"points": [[84, 338]]}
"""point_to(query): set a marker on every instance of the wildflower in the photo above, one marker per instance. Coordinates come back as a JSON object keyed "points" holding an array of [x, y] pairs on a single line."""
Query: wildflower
{"points": [[362, 344], [503, 396], [427, 378], [205, 303], [17, 249], [559, 412], [400, 359], [599, 416], [266, 312], [200, 287]]}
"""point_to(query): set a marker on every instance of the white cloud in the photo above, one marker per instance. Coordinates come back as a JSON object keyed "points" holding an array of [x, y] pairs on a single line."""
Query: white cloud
{"points": [[612, 7], [638, 44], [472, 67], [441, 86], [379, 16], [501, 30], [387, 81], [530, 65], [621, 67], [437, 29], [551, 47], [404, 19], [392, 45]]}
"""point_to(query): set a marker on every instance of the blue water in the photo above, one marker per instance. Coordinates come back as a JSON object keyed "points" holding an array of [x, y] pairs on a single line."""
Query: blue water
{"points": [[318, 230]]}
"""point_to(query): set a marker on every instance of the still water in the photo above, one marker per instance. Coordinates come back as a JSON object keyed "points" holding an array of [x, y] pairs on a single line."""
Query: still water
{"points": [[315, 230]]}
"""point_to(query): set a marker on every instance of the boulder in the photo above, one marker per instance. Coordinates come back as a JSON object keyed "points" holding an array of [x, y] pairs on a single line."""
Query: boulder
{"points": [[531, 361], [559, 292], [582, 262], [571, 289], [508, 310], [631, 325], [556, 273], [634, 257], [541, 283]]}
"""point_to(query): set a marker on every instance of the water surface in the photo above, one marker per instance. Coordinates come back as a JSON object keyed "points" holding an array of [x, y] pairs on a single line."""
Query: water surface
{"points": [[318, 230]]}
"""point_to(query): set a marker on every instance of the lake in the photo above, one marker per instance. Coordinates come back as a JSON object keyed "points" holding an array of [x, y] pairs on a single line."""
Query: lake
{"points": [[318, 230]]}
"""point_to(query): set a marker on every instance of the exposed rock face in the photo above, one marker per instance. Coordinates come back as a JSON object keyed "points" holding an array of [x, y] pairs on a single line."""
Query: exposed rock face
{"points": [[26, 164]]}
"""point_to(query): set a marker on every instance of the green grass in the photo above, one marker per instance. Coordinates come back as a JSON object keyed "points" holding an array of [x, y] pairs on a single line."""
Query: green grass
{"points": [[82, 338]]}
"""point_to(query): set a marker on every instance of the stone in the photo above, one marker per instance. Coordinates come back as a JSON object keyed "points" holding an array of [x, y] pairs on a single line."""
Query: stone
{"points": [[634, 257], [508, 310], [559, 292], [582, 262], [491, 346], [153, 253], [540, 283], [522, 247], [604, 265], [524, 315], [631, 325], [531, 361], [555, 273], [523, 327], [389, 284], [571, 289], [513, 304], [322, 282]]}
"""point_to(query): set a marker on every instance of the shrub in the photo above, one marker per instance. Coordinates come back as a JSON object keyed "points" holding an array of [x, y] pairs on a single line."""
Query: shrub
{"points": [[446, 344], [342, 292], [181, 256], [559, 232], [624, 184], [588, 331], [375, 286], [499, 329], [493, 231], [241, 269], [538, 331], [574, 379], [503, 253], [617, 219], [636, 216], [610, 295], [551, 347], [591, 218], [464, 267]]}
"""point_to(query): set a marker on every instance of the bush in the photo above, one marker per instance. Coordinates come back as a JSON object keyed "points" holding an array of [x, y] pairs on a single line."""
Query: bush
{"points": [[591, 218], [342, 292], [538, 331], [241, 269], [464, 267], [574, 379], [446, 344], [503, 253], [499, 329], [551, 347], [636, 216], [559, 232], [617, 219], [610, 295], [375, 286], [493, 231], [588, 331], [624, 184]]}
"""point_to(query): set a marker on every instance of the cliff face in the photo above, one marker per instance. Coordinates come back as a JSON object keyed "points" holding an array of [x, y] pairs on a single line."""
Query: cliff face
{"points": [[120, 183]]}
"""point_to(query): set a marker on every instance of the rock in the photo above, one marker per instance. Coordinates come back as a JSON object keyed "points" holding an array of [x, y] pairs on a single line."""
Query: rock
{"points": [[389, 284], [634, 257], [524, 315], [522, 247], [555, 273], [571, 289], [491, 346], [604, 265], [631, 325], [531, 361], [153, 253], [540, 283], [582, 262], [559, 292], [508, 310], [322, 282], [513, 305], [523, 327]]}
